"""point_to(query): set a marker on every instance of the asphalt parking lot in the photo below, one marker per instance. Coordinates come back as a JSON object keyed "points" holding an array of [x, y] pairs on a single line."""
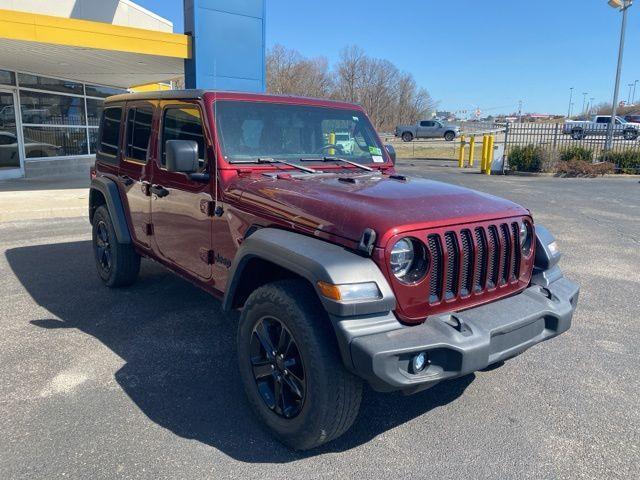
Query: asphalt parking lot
{"points": [[142, 382]]}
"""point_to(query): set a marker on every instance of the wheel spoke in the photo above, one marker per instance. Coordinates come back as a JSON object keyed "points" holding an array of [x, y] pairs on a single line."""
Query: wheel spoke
{"points": [[262, 368], [284, 341], [294, 385], [265, 341], [278, 397]]}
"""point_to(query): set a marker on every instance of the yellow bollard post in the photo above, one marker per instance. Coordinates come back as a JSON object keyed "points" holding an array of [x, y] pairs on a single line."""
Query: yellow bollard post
{"points": [[490, 154], [461, 154], [332, 141], [472, 149], [485, 149]]}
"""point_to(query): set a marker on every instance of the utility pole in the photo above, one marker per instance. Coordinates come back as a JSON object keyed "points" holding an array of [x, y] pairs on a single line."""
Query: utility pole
{"points": [[570, 102], [591, 105], [520, 111], [584, 102], [623, 5], [633, 97], [630, 85]]}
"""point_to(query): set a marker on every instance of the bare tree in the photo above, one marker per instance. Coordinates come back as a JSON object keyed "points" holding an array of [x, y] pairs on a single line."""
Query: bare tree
{"points": [[389, 96]]}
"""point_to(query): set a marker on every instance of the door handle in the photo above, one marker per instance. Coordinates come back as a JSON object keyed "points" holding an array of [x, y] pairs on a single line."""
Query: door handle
{"points": [[126, 179], [159, 191]]}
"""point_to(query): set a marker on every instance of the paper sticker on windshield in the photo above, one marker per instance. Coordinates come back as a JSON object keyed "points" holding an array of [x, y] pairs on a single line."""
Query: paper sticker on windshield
{"points": [[375, 151], [355, 119], [377, 159]]}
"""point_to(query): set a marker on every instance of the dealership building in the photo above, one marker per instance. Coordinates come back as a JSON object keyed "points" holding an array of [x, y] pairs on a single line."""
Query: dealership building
{"points": [[60, 59]]}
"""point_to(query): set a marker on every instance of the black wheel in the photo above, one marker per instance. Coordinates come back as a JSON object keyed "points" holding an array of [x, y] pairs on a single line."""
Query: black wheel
{"points": [[291, 368], [449, 136], [578, 134], [407, 136], [118, 264], [630, 134]]}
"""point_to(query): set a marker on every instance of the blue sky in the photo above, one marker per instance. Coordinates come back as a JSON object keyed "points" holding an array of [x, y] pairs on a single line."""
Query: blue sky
{"points": [[487, 54]]}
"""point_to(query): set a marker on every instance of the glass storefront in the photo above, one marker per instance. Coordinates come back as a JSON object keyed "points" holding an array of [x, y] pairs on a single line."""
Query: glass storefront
{"points": [[59, 117]]}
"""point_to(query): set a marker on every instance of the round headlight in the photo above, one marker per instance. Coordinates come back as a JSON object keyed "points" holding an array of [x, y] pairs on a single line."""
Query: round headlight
{"points": [[409, 260], [526, 238]]}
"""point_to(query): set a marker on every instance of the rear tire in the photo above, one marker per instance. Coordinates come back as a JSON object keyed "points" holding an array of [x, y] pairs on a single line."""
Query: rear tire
{"points": [[118, 264], [578, 134], [407, 136], [449, 136], [630, 134], [326, 397]]}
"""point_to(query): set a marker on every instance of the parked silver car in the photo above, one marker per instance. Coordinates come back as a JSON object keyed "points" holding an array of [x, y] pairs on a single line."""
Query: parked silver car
{"points": [[428, 129]]}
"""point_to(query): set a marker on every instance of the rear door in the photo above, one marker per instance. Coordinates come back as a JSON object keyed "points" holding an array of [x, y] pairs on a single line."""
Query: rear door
{"points": [[426, 129], [181, 224], [135, 169]]}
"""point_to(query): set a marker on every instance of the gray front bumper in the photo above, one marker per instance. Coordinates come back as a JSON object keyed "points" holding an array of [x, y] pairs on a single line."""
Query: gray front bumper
{"points": [[380, 349]]}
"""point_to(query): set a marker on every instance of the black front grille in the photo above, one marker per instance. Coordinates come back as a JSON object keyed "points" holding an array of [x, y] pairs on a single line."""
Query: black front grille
{"points": [[467, 261], [435, 282]]}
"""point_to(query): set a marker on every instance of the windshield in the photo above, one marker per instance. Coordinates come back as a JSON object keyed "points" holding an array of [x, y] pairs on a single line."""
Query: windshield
{"points": [[252, 130]]}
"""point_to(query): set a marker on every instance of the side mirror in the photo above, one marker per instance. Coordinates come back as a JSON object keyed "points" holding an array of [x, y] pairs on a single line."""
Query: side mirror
{"points": [[392, 152], [182, 156]]}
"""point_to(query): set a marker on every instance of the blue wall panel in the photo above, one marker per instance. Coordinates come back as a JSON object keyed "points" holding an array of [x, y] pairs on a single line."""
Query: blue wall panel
{"points": [[228, 51]]}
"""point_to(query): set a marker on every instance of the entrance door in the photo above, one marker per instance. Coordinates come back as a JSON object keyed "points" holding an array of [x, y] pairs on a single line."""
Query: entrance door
{"points": [[181, 226], [10, 151]]}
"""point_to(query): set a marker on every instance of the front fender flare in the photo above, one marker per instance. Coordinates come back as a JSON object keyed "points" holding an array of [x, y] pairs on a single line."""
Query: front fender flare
{"points": [[314, 260], [111, 194]]}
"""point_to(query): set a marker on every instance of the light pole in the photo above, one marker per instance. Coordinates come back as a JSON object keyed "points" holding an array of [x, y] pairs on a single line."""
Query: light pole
{"points": [[630, 85], [584, 102], [623, 6], [591, 105], [570, 102], [633, 96]]}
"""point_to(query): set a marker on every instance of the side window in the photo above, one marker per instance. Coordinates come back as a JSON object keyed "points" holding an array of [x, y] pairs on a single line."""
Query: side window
{"points": [[138, 133], [424, 124], [110, 130], [602, 120], [183, 123]]}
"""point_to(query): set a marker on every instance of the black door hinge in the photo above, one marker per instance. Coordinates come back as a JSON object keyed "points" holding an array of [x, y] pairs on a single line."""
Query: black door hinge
{"points": [[208, 207], [148, 228], [207, 256]]}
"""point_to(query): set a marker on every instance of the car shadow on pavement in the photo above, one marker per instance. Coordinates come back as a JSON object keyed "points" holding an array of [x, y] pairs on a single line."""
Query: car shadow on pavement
{"points": [[179, 349]]}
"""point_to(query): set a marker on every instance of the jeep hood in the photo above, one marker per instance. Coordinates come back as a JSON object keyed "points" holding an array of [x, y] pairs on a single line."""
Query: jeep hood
{"points": [[346, 204]]}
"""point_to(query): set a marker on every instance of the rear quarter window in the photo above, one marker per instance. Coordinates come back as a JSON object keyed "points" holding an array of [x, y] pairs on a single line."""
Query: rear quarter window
{"points": [[109, 137]]}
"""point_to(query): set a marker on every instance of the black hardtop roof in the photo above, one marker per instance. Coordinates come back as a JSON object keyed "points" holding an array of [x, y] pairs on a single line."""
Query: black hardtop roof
{"points": [[158, 95]]}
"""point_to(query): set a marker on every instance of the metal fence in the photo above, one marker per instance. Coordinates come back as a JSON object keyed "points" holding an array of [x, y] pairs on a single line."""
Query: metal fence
{"points": [[552, 137]]}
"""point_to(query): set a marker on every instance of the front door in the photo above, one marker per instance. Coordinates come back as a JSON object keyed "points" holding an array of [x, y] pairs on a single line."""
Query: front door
{"points": [[181, 225], [10, 151]]}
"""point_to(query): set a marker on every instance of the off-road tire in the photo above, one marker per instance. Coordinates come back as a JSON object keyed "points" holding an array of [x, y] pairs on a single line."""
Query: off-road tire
{"points": [[449, 136], [332, 394], [630, 134], [407, 136], [578, 134], [124, 263]]}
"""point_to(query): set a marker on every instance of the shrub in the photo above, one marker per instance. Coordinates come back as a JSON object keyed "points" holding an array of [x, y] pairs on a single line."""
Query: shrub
{"points": [[576, 153], [627, 161], [527, 159], [581, 168]]}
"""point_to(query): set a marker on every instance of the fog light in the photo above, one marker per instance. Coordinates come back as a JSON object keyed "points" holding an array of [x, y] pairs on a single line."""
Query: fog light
{"points": [[419, 362]]}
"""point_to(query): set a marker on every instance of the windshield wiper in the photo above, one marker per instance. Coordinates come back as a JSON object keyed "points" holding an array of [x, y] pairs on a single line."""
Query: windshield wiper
{"points": [[337, 159], [270, 161]]}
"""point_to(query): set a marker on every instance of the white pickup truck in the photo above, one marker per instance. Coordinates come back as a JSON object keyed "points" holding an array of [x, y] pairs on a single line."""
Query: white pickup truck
{"points": [[598, 126]]}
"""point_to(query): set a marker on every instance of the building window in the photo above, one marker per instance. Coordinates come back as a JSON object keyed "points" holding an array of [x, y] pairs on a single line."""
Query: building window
{"points": [[50, 84], [50, 109], [7, 78], [110, 131], [103, 92], [43, 141]]}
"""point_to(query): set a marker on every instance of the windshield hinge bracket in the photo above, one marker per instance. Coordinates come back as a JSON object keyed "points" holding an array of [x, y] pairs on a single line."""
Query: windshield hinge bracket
{"points": [[367, 242]]}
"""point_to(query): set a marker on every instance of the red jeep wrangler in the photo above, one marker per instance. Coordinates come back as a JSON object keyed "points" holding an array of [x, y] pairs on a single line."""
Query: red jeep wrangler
{"points": [[290, 210]]}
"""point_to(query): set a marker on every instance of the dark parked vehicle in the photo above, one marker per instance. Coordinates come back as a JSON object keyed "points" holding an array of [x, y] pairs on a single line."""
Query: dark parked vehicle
{"points": [[634, 118], [344, 271]]}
